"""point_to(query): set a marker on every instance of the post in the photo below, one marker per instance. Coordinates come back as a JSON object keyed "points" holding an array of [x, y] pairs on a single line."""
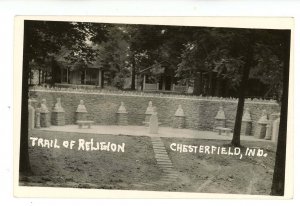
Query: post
{"points": [[268, 131], [38, 118], [100, 78], [31, 115], [61, 75], [163, 87], [275, 130], [67, 75]]}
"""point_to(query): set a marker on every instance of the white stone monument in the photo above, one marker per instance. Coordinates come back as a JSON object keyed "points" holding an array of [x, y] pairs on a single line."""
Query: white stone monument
{"points": [[220, 119], [58, 114], [275, 130], [148, 113], [246, 123], [262, 126], [38, 118], [31, 114], [58, 107], [45, 118], [153, 123], [122, 115], [179, 118], [81, 112]]}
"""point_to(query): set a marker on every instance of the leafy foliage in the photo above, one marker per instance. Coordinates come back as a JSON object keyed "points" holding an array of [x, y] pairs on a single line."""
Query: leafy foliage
{"points": [[183, 52]]}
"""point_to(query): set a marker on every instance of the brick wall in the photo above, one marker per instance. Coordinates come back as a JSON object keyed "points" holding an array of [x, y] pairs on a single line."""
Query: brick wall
{"points": [[102, 107]]}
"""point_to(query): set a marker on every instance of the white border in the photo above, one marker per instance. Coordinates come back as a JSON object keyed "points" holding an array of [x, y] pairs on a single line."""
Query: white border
{"points": [[245, 22]]}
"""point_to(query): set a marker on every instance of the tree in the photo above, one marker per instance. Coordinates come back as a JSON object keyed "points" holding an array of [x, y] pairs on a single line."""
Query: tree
{"points": [[42, 40], [232, 54], [279, 168], [197, 56], [155, 47], [271, 50], [144, 41], [248, 51], [113, 55]]}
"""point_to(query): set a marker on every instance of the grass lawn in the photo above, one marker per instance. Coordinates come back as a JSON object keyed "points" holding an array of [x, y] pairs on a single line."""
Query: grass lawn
{"points": [[222, 173], [92, 169], [111, 170]]}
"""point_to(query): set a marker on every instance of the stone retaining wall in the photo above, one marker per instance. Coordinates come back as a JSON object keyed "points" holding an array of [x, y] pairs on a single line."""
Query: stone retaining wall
{"points": [[102, 108]]}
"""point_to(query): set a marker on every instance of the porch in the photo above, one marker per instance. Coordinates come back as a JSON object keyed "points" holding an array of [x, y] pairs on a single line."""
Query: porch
{"points": [[83, 78], [165, 85]]}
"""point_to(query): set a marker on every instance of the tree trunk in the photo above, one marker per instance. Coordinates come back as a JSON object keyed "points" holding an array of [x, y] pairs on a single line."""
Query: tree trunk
{"points": [[53, 73], [236, 139], [210, 83], [39, 76], [24, 163], [218, 92], [197, 84], [133, 73], [240, 108], [43, 77], [279, 168]]}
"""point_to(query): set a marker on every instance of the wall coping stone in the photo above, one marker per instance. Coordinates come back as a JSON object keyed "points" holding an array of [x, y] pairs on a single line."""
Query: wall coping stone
{"points": [[151, 95]]}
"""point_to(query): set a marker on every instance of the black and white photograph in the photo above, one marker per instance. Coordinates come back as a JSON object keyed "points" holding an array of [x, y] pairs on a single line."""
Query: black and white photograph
{"points": [[156, 107]]}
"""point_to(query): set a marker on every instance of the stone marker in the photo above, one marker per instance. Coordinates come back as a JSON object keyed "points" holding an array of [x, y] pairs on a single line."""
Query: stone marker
{"points": [[148, 113], [153, 123], [246, 123], [261, 129], [58, 114], [220, 119], [122, 115], [272, 119], [38, 118], [34, 103], [275, 130], [190, 90], [31, 114], [81, 112], [45, 117], [268, 131], [179, 118]]}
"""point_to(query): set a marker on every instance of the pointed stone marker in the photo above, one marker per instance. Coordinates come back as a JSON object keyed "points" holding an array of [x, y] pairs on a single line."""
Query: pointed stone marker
{"points": [[148, 113], [122, 115], [153, 123], [220, 119], [246, 123], [179, 118]]}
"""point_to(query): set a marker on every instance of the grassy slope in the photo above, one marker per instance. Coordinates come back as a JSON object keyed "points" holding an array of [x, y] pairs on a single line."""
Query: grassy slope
{"points": [[223, 173], [102, 169]]}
